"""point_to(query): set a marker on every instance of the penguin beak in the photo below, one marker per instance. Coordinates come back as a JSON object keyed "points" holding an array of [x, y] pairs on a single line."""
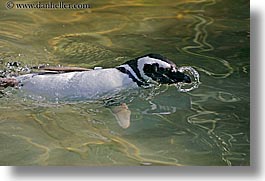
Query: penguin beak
{"points": [[179, 77], [186, 79]]}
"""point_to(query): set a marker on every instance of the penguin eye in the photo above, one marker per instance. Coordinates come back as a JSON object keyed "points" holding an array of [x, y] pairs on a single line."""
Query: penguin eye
{"points": [[154, 67], [150, 68]]}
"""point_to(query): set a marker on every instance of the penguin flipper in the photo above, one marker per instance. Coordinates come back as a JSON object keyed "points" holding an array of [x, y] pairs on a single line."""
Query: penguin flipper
{"points": [[51, 69], [66, 69], [122, 115]]}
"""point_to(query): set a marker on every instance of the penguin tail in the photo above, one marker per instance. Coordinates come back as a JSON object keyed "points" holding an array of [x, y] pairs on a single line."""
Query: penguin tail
{"points": [[8, 82]]}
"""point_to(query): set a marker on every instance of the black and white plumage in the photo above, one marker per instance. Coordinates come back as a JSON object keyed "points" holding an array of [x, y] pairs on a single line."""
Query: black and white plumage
{"points": [[81, 84], [95, 84]]}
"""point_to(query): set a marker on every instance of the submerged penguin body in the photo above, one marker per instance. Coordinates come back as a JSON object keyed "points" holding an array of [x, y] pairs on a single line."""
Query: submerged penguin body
{"points": [[89, 85], [99, 84], [144, 71]]}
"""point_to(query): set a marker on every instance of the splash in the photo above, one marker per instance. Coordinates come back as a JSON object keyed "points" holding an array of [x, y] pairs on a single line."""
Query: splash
{"points": [[184, 87], [13, 69]]}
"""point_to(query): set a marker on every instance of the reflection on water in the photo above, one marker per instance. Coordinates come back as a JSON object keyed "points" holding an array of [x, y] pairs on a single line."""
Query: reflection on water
{"points": [[207, 126]]}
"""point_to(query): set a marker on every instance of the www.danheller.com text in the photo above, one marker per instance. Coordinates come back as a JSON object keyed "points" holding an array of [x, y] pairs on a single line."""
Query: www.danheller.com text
{"points": [[47, 5]]}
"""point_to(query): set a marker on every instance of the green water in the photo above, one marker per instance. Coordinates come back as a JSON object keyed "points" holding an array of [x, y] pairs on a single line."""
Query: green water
{"points": [[207, 126]]}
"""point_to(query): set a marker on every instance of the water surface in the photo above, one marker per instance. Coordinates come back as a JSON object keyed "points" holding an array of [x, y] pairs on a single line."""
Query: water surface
{"points": [[207, 126]]}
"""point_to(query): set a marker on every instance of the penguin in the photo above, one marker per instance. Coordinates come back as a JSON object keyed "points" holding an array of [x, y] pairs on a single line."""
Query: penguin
{"points": [[85, 84], [96, 84]]}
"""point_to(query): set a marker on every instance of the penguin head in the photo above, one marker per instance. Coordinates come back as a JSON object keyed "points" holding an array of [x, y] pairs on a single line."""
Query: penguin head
{"points": [[154, 67]]}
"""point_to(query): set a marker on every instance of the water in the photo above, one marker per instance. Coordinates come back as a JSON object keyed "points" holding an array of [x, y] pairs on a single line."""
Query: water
{"points": [[206, 126]]}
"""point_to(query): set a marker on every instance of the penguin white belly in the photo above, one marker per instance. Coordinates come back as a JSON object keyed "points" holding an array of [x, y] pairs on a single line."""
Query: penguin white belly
{"points": [[90, 85]]}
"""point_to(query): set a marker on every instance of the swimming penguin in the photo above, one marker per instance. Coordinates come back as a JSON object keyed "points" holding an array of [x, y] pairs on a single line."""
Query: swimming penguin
{"points": [[83, 84]]}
